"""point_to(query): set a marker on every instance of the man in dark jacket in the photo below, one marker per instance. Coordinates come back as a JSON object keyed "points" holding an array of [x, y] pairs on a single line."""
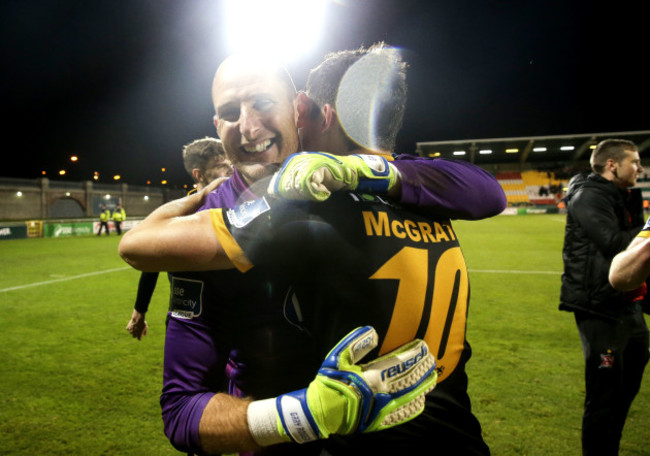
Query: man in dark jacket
{"points": [[602, 218]]}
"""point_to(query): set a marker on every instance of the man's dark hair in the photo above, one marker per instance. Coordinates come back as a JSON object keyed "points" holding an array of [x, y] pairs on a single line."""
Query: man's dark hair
{"points": [[610, 149], [200, 152], [377, 91]]}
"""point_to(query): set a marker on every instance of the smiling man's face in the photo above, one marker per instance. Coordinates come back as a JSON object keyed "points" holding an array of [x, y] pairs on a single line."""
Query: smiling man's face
{"points": [[254, 116]]}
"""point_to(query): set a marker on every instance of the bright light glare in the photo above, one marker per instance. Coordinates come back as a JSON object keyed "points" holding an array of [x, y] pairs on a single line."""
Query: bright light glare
{"points": [[459, 152], [272, 27], [485, 152]]}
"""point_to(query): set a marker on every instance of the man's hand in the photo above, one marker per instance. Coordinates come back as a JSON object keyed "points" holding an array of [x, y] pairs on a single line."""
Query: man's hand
{"points": [[137, 326], [349, 398], [315, 175]]}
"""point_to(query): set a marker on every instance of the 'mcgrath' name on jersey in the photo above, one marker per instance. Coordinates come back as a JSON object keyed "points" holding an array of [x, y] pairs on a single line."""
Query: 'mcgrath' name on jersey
{"points": [[381, 225]]}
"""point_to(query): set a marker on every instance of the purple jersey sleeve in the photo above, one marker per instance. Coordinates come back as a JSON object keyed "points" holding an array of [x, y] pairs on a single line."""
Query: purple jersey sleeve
{"points": [[192, 366], [451, 188]]}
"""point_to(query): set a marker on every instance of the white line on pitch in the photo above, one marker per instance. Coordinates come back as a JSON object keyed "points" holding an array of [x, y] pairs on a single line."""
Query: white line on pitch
{"points": [[503, 271], [47, 282]]}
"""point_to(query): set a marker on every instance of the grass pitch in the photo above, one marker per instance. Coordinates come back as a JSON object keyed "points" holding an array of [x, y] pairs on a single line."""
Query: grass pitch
{"points": [[73, 381]]}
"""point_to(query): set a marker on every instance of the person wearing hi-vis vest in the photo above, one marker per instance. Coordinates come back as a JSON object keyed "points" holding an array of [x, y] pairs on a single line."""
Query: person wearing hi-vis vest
{"points": [[119, 215], [104, 217]]}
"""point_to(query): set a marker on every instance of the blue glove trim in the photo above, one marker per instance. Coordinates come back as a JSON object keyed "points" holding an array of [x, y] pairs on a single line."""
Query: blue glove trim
{"points": [[369, 185], [297, 427], [385, 173], [372, 185]]}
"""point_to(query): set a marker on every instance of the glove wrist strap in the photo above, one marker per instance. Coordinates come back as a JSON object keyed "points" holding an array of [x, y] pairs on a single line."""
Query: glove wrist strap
{"points": [[262, 419]]}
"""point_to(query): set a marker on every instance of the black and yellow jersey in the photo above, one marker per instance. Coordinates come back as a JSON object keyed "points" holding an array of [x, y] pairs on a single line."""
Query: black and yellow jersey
{"points": [[358, 260], [361, 260]]}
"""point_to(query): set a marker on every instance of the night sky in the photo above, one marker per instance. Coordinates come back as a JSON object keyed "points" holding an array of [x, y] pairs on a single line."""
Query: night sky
{"points": [[124, 84]]}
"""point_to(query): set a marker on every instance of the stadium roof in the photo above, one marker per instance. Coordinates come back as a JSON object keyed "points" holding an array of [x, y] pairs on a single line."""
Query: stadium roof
{"points": [[528, 149]]}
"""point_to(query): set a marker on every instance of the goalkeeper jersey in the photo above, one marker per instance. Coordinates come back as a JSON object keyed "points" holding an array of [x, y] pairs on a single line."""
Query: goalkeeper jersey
{"points": [[359, 260]]}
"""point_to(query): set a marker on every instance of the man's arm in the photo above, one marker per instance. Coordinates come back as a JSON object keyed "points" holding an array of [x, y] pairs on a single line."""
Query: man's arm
{"points": [[345, 397], [171, 240], [451, 188], [448, 188], [631, 267], [224, 426]]}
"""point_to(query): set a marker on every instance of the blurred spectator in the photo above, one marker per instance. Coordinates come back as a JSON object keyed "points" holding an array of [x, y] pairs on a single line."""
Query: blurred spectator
{"points": [[119, 215], [104, 216]]}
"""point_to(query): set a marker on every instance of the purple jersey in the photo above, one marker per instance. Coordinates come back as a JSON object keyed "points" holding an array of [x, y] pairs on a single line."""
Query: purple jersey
{"points": [[450, 188], [226, 330]]}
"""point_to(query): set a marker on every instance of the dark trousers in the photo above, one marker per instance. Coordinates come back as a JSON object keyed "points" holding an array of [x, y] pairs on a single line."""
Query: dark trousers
{"points": [[101, 226], [118, 227], [616, 353]]}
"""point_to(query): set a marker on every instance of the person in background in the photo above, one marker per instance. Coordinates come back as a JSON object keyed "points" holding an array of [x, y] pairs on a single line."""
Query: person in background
{"points": [[119, 215], [204, 160], [602, 219], [104, 217]]}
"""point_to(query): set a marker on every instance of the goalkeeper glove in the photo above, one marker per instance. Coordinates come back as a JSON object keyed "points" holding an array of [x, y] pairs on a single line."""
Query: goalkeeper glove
{"points": [[315, 175], [346, 398]]}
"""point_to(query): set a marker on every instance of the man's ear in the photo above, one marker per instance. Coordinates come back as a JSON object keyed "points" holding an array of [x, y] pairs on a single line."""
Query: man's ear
{"points": [[611, 164], [330, 116], [196, 174], [302, 112]]}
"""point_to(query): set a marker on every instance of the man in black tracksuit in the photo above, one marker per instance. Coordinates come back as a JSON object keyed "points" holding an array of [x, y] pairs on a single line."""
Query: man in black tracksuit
{"points": [[603, 216]]}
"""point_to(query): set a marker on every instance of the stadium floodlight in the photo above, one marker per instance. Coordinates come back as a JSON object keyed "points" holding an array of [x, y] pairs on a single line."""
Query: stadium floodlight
{"points": [[567, 148], [485, 152], [539, 149], [269, 27], [459, 152]]}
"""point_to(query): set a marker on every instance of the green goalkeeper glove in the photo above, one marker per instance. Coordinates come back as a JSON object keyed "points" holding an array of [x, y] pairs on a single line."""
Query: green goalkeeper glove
{"points": [[315, 175], [346, 398]]}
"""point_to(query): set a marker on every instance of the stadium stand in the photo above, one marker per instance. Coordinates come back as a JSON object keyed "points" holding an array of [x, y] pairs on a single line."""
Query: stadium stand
{"points": [[514, 187], [534, 170]]}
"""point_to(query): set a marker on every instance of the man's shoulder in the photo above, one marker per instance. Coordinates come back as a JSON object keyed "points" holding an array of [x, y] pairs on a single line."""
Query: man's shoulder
{"points": [[226, 195], [596, 186]]}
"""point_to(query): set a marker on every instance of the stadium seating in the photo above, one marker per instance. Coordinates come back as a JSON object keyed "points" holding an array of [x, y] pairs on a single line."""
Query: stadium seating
{"points": [[530, 187]]}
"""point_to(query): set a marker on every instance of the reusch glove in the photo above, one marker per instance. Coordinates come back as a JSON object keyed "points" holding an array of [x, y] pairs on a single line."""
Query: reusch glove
{"points": [[315, 175], [347, 398]]}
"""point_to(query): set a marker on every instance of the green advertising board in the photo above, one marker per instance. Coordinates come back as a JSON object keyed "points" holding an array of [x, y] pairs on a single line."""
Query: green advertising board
{"points": [[67, 229]]}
